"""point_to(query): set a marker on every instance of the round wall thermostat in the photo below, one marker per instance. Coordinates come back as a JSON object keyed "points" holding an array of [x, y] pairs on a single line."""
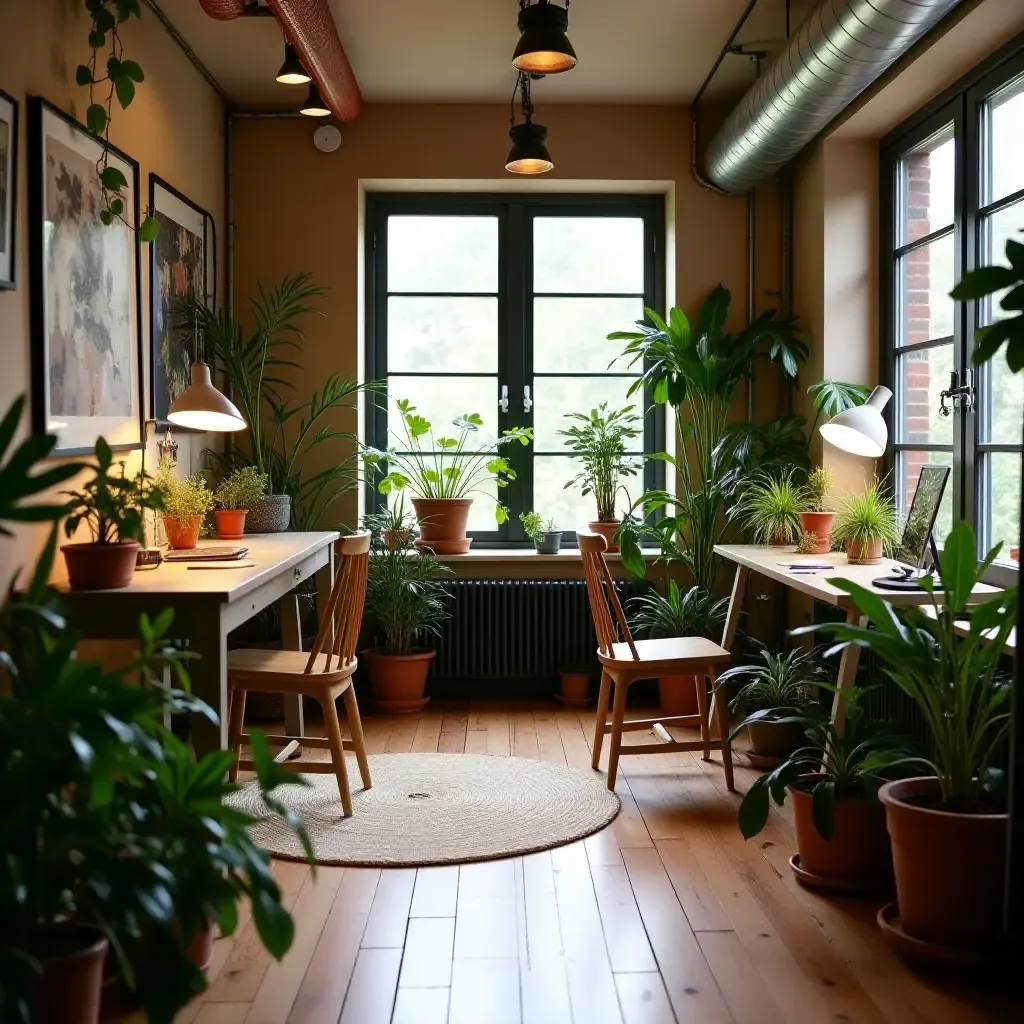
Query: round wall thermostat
{"points": [[327, 138]]}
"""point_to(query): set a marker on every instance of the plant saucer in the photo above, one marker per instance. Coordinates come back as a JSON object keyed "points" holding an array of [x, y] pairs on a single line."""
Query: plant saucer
{"points": [[841, 885], [401, 707], [574, 702], [934, 952]]}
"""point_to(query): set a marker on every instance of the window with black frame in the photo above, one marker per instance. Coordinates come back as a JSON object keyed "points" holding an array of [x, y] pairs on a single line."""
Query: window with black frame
{"points": [[501, 306]]}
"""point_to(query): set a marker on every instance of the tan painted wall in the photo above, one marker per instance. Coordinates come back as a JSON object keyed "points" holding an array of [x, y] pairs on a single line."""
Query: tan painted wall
{"points": [[174, 129]]}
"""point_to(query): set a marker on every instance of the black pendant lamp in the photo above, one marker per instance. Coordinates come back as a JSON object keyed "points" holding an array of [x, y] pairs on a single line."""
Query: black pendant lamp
{"points": [[292, 72], [314, 105], [529, 153], [544, 47]]}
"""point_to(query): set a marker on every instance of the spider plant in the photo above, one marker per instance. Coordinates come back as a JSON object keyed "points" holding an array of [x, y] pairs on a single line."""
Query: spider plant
{"points": [[779, 684], [691, 612], [770, 508], [867, 517]]}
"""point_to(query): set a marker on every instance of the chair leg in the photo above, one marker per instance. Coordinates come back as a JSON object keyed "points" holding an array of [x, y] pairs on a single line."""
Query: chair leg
{"points": [[337, 750], [720, 708], [355, 725], [618, 713], [236, 718], [702, 706], [601, 720]]}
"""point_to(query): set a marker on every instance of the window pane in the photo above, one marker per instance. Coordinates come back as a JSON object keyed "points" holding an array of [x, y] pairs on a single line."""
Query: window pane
{"points": [[569, 508], [926, 183], [441, 399], [458, 335], [921, 376], [588, 254], [1002, 500], [926, 279], [996, 230], [443, 254], [1006, 155], [908, 470], [556, 396], [571, 335], [1002, 404]]}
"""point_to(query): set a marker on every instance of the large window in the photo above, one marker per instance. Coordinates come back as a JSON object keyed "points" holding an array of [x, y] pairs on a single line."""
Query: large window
{"points": [[501, 306], [953, 189]]}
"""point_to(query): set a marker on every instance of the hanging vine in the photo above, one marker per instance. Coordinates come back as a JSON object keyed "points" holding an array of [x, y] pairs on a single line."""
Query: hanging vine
{"points": [[115, 78]]}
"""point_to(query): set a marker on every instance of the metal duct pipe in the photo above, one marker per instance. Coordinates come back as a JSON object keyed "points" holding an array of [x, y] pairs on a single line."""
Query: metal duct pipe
{"points": [[833, 56]]}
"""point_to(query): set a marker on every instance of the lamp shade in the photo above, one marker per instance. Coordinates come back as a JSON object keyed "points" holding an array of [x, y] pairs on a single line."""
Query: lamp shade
{"points": [[544, 47], [861, 430], [292, 72], [314, 105], [202, 407], [529, 153]]}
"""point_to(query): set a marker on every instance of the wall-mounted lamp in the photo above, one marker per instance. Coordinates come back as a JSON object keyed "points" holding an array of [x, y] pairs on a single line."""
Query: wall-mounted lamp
{"points": [[544, 47], [292, 72], [529, 153]]}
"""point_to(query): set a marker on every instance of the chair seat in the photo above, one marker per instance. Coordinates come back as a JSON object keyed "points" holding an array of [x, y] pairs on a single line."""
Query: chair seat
{"points": [[261, 667], [665, 654]]}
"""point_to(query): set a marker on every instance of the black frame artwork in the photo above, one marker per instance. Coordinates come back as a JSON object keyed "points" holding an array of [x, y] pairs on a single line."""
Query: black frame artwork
{"points": [[9, 200]]}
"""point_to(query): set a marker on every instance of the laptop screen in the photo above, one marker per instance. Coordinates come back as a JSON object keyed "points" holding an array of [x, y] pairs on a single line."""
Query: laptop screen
{"points": [[923, 511]]}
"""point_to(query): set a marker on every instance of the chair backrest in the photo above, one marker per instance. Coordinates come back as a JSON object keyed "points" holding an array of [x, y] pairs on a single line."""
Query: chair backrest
{"points": [[605, 606], [340, 623]]}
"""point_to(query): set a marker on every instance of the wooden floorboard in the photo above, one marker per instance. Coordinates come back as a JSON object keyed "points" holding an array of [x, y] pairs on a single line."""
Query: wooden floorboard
{"points": [[665, 917]]}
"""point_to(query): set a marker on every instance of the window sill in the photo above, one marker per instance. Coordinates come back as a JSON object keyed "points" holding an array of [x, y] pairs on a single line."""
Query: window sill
{"points": [[527, 555]]}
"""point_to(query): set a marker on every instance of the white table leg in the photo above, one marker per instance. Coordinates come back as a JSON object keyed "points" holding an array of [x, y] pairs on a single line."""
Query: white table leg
{"points": [[291, 640], [208, 639], [847, 670], [732, 618]]}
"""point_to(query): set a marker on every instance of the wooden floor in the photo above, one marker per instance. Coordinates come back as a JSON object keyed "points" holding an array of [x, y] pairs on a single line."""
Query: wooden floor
{"points": [[665, 916]]}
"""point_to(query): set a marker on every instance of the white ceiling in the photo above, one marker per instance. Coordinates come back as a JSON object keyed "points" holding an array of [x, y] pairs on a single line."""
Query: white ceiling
{"points": [[630, 51]]}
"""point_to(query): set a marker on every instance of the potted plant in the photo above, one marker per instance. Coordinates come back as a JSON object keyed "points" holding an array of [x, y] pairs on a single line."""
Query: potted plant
{"points": [[866, 523], [770, 507], [948, 828], [678, 612], [111, 504], [574, 686], [815, 516], [546, 537], [833, 778], [234, 497], [444, 473], [186, 501], [600, 440], [775, 689], [405, 603]]}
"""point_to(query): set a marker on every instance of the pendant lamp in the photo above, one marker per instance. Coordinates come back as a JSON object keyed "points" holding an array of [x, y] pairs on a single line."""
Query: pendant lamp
{"points": [[544, 47], [314, 105], [292, 72], [201, 406], [529, 153]]}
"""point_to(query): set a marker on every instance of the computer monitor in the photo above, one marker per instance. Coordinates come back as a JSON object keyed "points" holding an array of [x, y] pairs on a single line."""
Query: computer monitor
{"points": [[918, 540]]}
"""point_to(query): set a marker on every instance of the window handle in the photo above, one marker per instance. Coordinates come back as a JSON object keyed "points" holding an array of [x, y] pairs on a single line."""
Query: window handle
{"points": [[503, 401], [961, 395], [527, 400]]}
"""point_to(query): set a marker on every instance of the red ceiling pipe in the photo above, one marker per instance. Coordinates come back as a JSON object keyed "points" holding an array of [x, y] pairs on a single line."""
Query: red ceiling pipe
{"points": [[223, 10]]}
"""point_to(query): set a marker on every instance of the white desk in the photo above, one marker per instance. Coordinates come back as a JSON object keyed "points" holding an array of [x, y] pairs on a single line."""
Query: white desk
{"points": [[753, 558], [208, 604]]}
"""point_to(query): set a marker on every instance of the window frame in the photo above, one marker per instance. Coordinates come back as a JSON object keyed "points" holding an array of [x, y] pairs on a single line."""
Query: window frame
{"points": [[515, 213]]}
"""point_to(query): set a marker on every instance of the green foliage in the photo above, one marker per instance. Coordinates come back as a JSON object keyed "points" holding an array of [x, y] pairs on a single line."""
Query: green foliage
{"points": [[535, 526], [243, 489], [111, 502], [690, 612], [867, 517], [778, 684], [951, 679], [444, 467], [184, 497], [600, 442], [770, 508], [815, 493]]}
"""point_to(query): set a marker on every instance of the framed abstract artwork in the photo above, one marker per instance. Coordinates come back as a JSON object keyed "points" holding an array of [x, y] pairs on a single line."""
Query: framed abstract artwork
{"points": [[85, 288], [8, 187], [180, 269]]}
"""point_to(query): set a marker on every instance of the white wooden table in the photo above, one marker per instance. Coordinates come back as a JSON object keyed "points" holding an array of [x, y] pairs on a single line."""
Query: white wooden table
{"points": [[765, 561], [210, 602]]}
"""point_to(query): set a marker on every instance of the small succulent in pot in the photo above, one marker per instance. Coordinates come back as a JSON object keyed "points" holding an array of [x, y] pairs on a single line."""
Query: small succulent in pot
{"points": [[235, 496], [815, 515], [186, 501], [546, 536], [770, 508], [867, 523]]}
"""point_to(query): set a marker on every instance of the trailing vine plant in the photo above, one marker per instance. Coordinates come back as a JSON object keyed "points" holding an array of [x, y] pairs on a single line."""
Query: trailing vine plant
{"points": [[116, 78]]}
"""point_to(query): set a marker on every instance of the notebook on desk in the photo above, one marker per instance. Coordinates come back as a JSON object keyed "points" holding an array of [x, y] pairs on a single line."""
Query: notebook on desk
{"points": [[207, 554]]}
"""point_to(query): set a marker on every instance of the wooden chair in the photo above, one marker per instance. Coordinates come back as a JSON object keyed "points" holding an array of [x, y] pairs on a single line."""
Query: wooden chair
{"points": [[625, 662], [325, 673]]}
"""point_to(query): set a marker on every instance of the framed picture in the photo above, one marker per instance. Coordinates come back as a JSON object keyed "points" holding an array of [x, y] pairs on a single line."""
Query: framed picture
{"points": [[179, 270], [8, 187], [85, 287]]}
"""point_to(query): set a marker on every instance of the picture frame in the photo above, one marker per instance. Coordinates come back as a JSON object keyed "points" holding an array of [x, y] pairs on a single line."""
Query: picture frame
{"points": [[8, 190], [85, 294], [179, 267]]}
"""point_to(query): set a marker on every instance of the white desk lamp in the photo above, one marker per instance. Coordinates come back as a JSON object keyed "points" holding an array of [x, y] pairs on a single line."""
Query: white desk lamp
{"points": [[860, 430]]}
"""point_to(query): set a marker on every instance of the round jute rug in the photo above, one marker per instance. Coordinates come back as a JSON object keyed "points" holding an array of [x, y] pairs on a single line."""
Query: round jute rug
{"points": [[437, 809]]}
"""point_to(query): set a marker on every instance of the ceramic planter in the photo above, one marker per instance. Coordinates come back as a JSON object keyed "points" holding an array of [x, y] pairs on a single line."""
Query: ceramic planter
{"points": [[607, 530], [443, 523], [864, 554], [230, 523], [678, 695], [183, 533], [950, 868], [398, 677], [100, 566], [71, 986], [820, 524], [271, 514], [773, 741], [548, 543]]}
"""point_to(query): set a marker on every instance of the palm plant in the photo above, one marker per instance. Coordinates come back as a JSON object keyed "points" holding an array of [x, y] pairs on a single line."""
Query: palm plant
{"points": [[691, 612], [770, 508]]}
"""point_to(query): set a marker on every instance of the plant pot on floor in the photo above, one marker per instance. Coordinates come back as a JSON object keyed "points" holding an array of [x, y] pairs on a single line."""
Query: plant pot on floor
{"points": [[548, 543], [574, 685], [200, 949], [606, 530], [397, 677], [773, 741], [870, 553], [230, 523], [820, 524], [271, 514], [950, 868], [183, 533], [100, 566], [71, 986], [443, 523], [677, 695]]}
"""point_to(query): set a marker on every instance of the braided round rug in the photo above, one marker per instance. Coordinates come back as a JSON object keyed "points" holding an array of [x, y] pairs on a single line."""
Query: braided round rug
{"points": [[437, 809]]}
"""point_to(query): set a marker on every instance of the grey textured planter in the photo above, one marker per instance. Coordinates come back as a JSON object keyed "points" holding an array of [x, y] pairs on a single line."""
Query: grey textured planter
{"points": [[271, 515], [549, 543]]}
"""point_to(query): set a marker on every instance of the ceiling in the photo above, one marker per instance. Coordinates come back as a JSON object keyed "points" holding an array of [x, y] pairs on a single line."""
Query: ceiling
{"points": [[630, 51]]}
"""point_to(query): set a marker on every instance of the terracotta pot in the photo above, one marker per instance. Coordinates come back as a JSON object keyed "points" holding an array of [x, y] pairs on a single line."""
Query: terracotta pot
{"points": [[864, 554], [678, 695], [200, 949], [71, 987], [575, 685], [230, 523], [182, 534], [859, 847], [820, 524], [443, 524], [100, 566], [770, 739], [607, 530], [398, 677], [950, 868], [396, 539]]}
